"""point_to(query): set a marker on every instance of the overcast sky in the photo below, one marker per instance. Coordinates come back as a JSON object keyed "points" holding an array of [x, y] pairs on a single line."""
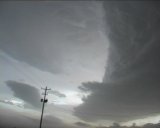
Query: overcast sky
{"points": [[101, 60]]}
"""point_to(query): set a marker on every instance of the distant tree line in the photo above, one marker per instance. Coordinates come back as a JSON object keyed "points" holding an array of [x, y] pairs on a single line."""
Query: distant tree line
{"points": [[148, 125]]}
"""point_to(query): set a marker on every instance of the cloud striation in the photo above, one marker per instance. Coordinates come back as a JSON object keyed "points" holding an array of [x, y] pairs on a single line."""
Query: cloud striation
{"points": [[130, 87]]}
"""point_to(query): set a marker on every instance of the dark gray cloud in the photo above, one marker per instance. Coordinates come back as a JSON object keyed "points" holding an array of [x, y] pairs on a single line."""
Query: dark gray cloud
{"points": [[48, 35], [10, 119], [133, 31], [57, 93], [130, 88], [26, 92], [120, 102]]}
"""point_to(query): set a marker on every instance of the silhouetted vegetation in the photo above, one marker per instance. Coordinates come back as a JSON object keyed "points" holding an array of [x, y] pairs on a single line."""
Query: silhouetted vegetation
{"points": [[148, 125]]}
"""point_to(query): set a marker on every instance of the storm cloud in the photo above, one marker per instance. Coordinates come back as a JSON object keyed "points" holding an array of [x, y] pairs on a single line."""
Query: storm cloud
{"points": [[26, 92], [130, 87], [10, 119], [51, 35]]}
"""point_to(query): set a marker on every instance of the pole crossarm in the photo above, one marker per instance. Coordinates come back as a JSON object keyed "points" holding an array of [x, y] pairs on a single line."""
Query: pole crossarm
{"points": [[46, 88]]}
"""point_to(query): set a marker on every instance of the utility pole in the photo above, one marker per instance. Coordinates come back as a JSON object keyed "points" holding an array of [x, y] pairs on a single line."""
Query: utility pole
{"points": [[44, 100]]}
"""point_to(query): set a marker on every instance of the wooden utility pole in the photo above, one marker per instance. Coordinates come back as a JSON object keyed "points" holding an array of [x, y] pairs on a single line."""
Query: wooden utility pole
{"points": [[44, 100]]}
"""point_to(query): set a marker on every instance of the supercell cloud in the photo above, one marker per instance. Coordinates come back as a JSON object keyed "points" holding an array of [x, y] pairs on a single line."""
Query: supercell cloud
{"points": [[68, 39], [52, 36], [130, 87]]}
